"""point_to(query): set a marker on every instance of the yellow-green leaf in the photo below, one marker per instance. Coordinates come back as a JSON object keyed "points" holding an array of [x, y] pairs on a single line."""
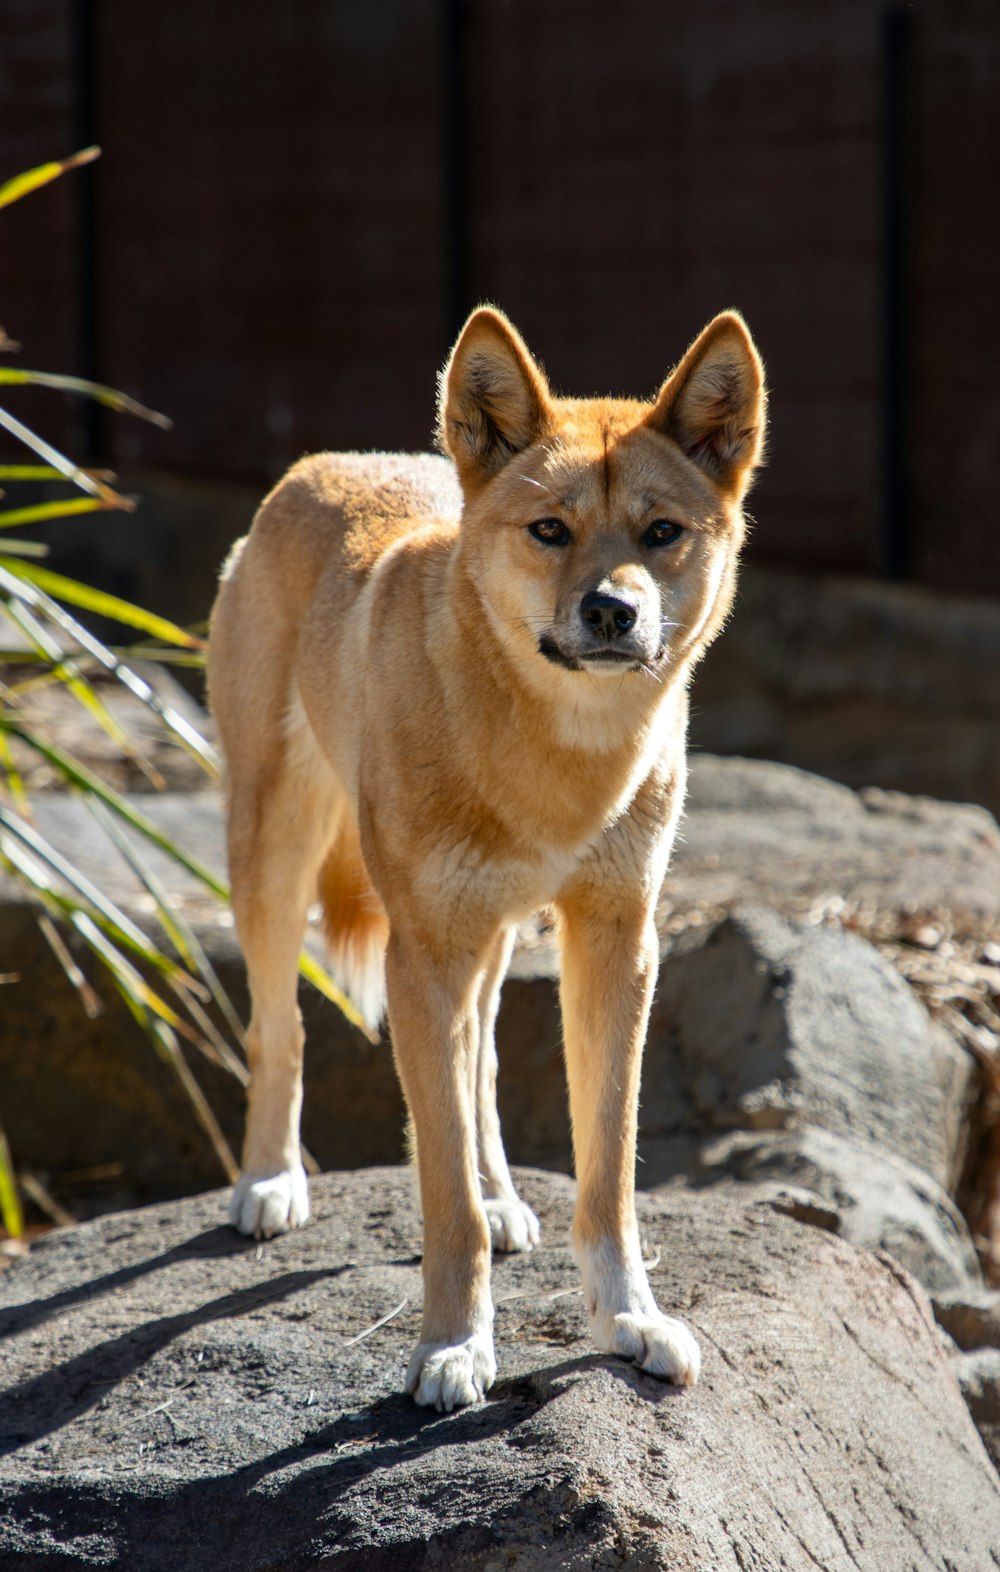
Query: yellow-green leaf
{"points": [[61, 588], [28, 472], [10, 1202], [81, 777], [80, 477], [32, 179], [25, 548], [40, 511], [16, 377], [313, 972]]}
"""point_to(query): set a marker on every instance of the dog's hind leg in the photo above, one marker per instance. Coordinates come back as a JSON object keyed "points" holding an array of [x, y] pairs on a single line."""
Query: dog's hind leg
{"points": [[513, 1225], [280, 824]]}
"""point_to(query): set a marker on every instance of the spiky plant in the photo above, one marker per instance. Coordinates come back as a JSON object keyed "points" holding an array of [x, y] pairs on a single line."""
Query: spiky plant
{"points": [[168, 984]]}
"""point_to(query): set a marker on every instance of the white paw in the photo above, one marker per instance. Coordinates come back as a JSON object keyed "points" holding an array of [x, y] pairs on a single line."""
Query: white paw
{"points": [[269, 1204], [446, 1377], [513, 1226], [657, 1342]]}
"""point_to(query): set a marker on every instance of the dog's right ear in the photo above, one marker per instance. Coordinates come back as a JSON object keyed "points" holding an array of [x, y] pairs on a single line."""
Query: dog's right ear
{"points": [[494, 400]]}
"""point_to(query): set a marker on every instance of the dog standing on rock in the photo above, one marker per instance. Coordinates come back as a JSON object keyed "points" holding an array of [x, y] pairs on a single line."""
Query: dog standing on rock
{"points": [[442, 706]]}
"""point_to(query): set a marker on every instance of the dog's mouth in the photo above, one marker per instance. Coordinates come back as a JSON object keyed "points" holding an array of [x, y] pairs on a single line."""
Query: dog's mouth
{"points": [[548, 647], [622, 660]]}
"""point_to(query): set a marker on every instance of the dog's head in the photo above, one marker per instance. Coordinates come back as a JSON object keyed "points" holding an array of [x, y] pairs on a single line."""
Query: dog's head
{"points": [[602, 534]]}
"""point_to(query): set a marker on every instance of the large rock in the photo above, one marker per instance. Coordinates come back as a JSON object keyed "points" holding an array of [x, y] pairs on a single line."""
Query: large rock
{"points": [[179, 1397], [95, 1093], [782, 838], [872, 683], [772, 1023]]}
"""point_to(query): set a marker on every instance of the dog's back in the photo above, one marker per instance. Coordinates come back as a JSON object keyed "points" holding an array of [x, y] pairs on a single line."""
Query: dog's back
{"points": [[315, 544]]}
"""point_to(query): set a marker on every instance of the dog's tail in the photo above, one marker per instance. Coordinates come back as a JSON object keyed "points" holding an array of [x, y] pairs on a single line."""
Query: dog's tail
{"points": [[355, 924]]}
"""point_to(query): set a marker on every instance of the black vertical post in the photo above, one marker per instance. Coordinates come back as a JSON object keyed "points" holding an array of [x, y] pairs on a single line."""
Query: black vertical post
{"points": [[90, 426], [894, 117], [455, 21]]}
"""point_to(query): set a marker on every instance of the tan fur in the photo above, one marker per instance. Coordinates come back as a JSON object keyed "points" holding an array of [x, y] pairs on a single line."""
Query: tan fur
{"points": [[444, 703]]}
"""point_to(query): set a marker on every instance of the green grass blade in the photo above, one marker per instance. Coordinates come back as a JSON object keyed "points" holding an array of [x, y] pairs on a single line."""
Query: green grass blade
{"points": [[12, 774], [78, 775], [14, 584], [12, 376], [177, 928], [11, 1214], [33, 179], [28, 472], [70, 471], [28, 837], [192, 659], [88, 599], [123, 968], [25, 548], [199, 1102], [162, 1025], [66, 671], [38, 512], [313, 972], [90, 1001], [169, 921], [66, 908]]}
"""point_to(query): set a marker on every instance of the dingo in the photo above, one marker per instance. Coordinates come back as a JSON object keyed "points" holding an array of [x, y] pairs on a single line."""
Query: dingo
{"points": [[449, 693]]}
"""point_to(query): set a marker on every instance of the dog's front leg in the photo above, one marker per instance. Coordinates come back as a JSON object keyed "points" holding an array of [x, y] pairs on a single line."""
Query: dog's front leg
{"points": [[609, 961], [435, 1032]]}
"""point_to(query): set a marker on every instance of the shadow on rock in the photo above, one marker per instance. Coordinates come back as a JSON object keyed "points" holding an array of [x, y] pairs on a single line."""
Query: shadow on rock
{"points": [[45, 1403]]}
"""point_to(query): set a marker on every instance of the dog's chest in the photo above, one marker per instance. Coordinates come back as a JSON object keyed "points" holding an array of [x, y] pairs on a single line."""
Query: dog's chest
{"points": [[507, 887]]}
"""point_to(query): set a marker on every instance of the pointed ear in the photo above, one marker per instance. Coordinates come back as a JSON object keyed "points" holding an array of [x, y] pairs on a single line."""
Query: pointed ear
{"points": [[494, 400], [714, 405]]}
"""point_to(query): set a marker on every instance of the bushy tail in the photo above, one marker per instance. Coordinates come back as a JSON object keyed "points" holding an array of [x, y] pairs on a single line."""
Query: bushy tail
{"points": [[355, 924]]}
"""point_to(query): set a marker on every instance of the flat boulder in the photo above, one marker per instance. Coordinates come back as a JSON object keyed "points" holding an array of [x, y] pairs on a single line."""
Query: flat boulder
{"points": [[176, 1396]]}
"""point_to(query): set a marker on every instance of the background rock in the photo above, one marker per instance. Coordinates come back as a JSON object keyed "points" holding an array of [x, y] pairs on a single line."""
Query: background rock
{"points": [[978, 1375], [864, 681], [881, 1201], [176, 1396], [779, 837], [969, 1315], [772, 1023], [95, 1094]]}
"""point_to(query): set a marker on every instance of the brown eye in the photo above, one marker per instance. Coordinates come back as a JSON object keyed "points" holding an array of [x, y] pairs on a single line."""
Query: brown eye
{"points": [[662, 533], [551, 532]]}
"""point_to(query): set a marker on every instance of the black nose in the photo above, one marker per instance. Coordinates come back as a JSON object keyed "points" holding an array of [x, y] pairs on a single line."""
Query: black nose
{"points": [[606, 615]]}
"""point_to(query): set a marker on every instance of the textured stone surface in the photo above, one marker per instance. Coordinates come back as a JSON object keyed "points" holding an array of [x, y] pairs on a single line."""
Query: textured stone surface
{"points": [[95, 1093], [773, 1023], [881, 1201], [783, 838], [176, 1397], [868, 682]]}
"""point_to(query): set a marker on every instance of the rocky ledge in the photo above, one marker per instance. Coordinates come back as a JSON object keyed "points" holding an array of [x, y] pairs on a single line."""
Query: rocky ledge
{"points": [[177, 1397]]}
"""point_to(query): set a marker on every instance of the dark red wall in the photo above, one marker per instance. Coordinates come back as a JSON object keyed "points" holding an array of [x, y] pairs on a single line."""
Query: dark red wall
{"points": [[275, 228]]}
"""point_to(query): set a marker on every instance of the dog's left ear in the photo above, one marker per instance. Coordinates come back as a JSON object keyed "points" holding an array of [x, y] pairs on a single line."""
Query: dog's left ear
{"points": [[494, 399], [714, 404]]}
